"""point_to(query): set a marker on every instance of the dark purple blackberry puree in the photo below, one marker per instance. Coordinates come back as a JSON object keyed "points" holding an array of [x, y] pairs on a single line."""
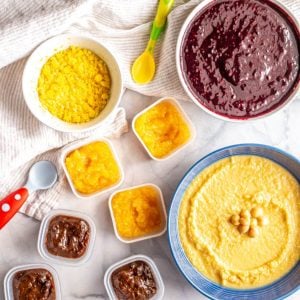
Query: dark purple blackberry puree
{"points": [[241, 57]]}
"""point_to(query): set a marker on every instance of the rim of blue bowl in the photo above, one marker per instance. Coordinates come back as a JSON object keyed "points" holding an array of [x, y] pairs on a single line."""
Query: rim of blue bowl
{"points": [[238, 294]]}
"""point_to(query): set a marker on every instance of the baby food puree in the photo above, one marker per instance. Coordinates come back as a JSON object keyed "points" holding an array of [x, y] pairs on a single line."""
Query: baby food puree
{"points": [[137, 212], [241, 58], [74, 85], [67, 236], [239, 222], [163, 129], [34, 284], [93, 167], [134, 281]]}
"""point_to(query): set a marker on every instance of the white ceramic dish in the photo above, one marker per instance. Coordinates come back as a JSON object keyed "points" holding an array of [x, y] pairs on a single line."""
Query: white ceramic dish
{"points": [[162, 211], [183, 114], [8, 280], [42, 249], [79, 144], [33, 68], [185, 84], [157, 277]]}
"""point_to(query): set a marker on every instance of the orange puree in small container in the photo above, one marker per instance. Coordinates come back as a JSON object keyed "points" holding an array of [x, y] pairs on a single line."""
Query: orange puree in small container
{"points": [[93, 167], [163, 129], [137, 212]]}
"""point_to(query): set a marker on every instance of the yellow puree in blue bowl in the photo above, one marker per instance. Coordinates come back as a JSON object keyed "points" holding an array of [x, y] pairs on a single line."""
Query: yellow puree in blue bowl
{"points": [[239, 222]]}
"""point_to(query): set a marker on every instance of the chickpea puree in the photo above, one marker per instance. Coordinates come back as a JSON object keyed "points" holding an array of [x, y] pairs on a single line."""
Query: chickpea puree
{"points": [[163, 129], [239, 222], [93, 167]]}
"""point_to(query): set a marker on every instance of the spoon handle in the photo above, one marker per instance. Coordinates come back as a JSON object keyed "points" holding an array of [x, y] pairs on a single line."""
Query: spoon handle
{"points": [[158, 26], [11, 204]]}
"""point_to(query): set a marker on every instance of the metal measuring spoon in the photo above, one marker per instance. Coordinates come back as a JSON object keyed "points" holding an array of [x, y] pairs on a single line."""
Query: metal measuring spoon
{"points": [[42, 175]]}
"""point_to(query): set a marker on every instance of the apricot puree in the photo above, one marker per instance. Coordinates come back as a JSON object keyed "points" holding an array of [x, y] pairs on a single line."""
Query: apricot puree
{"points": [[93, 167], [137, 212], [163, 129]]}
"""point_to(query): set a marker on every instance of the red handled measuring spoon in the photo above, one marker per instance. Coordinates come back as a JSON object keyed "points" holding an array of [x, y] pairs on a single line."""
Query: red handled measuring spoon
{"points": [[42, 176]]}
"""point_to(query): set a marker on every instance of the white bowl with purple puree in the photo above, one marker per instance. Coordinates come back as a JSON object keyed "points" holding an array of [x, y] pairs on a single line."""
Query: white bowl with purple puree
{"points": [[239, 60]]}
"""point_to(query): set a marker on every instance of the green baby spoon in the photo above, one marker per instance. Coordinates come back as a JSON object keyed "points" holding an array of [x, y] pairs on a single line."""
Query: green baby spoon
{"points": [[143, 69]]}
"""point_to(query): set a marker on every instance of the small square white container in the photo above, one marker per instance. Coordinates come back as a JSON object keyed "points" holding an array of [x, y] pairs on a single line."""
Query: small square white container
{"points": [[41, 245], [79, 144], [157, 277], [183, 114], [162, 210], [8, 279]]}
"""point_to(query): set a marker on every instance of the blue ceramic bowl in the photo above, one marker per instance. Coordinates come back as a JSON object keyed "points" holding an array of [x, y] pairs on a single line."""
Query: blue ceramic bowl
{"points": [[279, 289]]}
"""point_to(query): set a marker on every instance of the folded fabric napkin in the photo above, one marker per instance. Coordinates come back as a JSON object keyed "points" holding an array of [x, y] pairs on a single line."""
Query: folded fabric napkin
{"points": [[122, 25]]}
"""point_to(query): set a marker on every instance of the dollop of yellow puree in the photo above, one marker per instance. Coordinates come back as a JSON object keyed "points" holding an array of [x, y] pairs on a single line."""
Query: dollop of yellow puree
{"points": [[137, 212], [163, 129], [253, 187], [74, 85], [93, 167]]}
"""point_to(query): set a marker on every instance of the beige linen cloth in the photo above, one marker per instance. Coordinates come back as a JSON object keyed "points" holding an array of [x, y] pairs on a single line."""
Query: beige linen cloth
{"points": [[123, 26]]}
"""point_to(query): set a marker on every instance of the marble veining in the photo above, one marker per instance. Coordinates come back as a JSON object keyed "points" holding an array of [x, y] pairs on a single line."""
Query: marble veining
{"points": [[18, 240]]}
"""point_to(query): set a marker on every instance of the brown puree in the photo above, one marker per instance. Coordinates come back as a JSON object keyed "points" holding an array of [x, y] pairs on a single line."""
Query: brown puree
{"points": [[67, 236], [240, 59], [33, 284], [134, 281]]}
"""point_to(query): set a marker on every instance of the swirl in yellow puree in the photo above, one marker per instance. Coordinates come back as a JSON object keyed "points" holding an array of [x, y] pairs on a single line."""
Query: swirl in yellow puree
{"points": [[239, 222]]}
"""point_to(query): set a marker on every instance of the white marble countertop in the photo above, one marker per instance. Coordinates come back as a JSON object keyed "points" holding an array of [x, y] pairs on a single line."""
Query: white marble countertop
{"points": [[18, 240]]}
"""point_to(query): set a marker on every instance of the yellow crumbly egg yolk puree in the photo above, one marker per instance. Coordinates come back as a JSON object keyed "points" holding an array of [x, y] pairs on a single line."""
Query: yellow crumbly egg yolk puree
{"points": [[163, 129], [74, 85], [239, 222], [137, 212], [93, 167]]}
